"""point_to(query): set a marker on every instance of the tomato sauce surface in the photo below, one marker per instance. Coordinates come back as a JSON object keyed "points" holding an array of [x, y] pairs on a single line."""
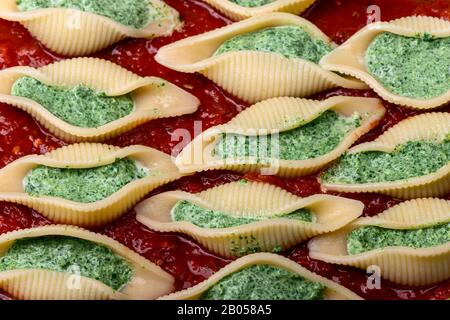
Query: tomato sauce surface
{"points": [[179, 255]]}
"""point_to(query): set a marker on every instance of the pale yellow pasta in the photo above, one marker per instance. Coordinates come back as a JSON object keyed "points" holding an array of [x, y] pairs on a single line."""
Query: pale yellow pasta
{"points": [[250, 75], [73, 32], [247, 199], [433, 127], [153, 97], [333, 290], [273, 116], [87, 155], [349, 58], [404, 265], [237, 12], [148, 280]]}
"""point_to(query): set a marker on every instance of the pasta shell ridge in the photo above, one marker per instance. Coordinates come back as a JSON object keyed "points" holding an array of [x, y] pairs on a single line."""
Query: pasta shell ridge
{"points": [[244, 73], [433, 127], [273, 116], [73, 32], [250, 199], [87, 155], [349, 58], [153, 97], [237, 12], [333, 290], [404, 265], [148, 281]]}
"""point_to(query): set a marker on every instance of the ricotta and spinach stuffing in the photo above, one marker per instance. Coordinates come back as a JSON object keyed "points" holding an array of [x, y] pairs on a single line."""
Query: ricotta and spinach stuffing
{"points": [[68, 255], [252, 3], [289, 41], [265, 282], [308, 141], [409, 160], [370, 238], [83, 185], [132, 13], [414, 67], [206, 218], [80, 106]]}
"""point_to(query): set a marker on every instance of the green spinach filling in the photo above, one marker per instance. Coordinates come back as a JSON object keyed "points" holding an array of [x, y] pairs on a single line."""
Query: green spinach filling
{"points": [[83, 185], [289, 41], [409, 160], [309, 141], [79, 106], [371, 237], [265, 282], [69, 255], [252, 3], [132, 13], [205, 218], [414, 67]]}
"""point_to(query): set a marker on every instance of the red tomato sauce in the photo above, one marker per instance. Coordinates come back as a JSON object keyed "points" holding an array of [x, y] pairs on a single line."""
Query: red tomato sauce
{"points": [[179, 255]]}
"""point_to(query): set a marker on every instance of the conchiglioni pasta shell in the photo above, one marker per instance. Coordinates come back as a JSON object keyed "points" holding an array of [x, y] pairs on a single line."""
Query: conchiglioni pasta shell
{"points": [[250, 75], [433, 127], [349, 58], [404, 265], [153, 97], [72, 32], [237, 12], [273, 116], [333, 290], [87, 155], [250, 199], [148, 281]]}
